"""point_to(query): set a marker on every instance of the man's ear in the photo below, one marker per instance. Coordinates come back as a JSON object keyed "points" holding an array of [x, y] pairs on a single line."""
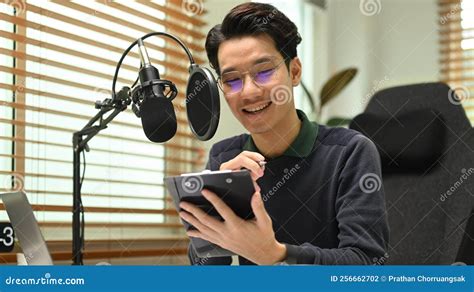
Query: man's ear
{"points": [[295, 71]]}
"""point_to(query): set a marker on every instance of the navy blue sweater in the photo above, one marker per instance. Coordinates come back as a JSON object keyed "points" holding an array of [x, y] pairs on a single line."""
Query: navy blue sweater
{"points": [[328, 207]]}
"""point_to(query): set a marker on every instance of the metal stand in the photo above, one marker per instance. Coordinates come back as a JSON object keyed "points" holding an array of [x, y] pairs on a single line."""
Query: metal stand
{"points": [[79, 141]]}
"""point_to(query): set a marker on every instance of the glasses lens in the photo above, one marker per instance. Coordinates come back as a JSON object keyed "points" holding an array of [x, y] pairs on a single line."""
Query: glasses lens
{"points": [[263, 73], [231, 82]]}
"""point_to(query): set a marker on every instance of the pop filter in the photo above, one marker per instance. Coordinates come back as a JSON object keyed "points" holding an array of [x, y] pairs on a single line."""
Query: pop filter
{"points": [[202, 103]]}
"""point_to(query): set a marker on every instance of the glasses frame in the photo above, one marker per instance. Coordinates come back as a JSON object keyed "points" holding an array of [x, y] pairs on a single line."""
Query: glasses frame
{"points": [[242, 74]]}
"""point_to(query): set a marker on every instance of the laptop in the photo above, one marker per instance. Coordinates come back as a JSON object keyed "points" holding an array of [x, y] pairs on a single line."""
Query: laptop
{"points": [[26, 228]]}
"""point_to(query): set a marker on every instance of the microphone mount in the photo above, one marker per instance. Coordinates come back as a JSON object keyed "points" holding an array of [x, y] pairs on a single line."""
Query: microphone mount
{"points": [[137, 96], [143, 58], [117, 104]]}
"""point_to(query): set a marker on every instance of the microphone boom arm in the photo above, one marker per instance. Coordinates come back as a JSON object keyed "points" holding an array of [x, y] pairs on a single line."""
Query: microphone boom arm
{"points": [[79, 141]]}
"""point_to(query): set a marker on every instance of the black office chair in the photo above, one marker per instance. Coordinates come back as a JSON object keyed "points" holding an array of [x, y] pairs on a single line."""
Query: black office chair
{"points": [[426, 145]]}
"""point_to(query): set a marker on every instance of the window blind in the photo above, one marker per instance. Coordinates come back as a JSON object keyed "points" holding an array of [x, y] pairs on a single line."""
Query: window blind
{"points": [[456, 21], [56, 59]]}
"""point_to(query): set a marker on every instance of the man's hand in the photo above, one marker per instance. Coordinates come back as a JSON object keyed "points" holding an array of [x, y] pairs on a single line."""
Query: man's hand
{"points": [[248, 160], [253, 239]]}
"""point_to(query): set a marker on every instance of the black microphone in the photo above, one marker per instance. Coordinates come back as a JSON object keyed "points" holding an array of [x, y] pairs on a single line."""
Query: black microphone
{"points": [[151, 104], [152, 98]]}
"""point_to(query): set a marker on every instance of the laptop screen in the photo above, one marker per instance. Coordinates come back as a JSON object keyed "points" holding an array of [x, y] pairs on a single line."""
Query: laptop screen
{"points": [[26, 228]]}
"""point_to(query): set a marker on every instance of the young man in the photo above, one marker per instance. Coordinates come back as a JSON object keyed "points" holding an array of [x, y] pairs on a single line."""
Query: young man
{"points": [[315, 200]]}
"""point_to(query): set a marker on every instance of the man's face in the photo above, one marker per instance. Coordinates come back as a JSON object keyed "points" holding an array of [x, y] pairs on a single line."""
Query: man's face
{"points": [[242, 54]]}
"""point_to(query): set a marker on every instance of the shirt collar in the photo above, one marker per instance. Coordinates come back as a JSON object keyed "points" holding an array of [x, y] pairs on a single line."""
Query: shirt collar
{"points": [[302, 145]]}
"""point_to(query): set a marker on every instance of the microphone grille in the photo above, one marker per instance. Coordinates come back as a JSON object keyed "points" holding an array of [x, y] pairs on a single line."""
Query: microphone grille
{"points": [[158, 119]]}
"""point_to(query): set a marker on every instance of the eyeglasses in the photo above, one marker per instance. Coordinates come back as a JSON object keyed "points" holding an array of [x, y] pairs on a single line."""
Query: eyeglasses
{"points": [[262, 74]]}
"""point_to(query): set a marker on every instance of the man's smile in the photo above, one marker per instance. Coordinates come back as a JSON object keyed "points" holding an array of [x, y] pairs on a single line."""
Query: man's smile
{"points": [[254, 109]]}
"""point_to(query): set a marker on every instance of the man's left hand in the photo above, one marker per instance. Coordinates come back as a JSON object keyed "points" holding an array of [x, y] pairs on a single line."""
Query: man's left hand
{"points": [[252, 239]]}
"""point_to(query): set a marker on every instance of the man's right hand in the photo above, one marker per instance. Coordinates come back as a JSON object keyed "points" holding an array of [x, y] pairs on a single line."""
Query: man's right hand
{"points": [[248, 160]]}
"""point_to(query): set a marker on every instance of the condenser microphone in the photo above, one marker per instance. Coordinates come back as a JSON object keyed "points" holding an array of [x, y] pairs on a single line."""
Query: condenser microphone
{"points": [[150, 102], [152, 98]]}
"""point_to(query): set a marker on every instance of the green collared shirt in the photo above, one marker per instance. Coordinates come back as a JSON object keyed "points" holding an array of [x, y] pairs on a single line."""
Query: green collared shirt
{"points": [[302, 145]]}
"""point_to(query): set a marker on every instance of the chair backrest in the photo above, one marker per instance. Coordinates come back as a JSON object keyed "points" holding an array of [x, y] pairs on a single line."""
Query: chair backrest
{"points": [[426, 209]]}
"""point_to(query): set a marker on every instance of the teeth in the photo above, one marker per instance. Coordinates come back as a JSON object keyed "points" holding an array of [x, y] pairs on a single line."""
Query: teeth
{"points": [[258, 108]]}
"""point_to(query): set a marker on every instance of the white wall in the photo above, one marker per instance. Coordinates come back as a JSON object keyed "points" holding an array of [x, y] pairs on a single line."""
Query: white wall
{"points": [[396, 46]]}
